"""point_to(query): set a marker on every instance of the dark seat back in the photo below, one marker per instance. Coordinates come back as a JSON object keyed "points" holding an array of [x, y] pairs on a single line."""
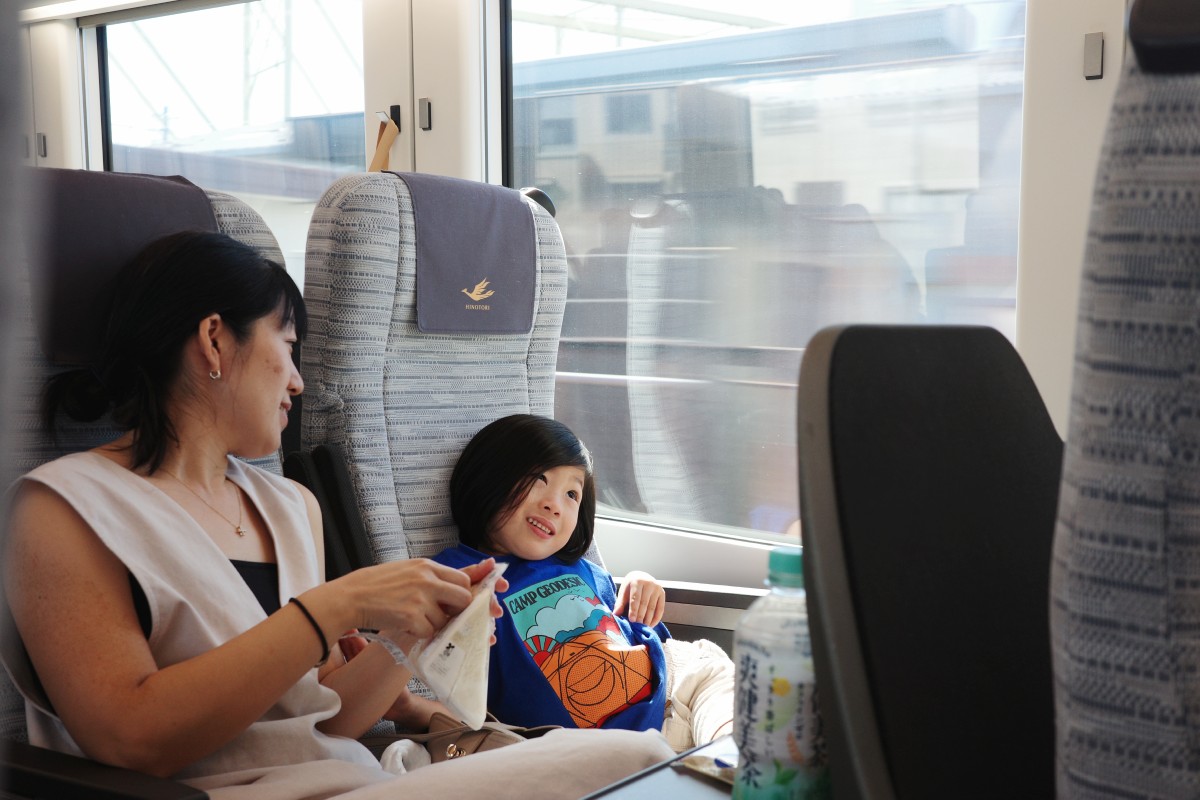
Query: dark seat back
{"points": [[95, 222], [929, 470]]}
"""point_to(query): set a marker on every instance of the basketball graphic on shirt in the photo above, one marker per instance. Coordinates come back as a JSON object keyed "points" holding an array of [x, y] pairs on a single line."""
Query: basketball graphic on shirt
{"points": [[596, 679], [581, 649]]}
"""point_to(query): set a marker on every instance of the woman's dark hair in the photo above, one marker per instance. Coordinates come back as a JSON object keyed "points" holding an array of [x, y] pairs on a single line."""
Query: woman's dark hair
{"points": [[498, 467], [159, 299]]}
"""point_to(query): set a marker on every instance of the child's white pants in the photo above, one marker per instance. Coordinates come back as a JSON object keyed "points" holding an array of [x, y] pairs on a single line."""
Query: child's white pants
{"points": [[699, 693]]}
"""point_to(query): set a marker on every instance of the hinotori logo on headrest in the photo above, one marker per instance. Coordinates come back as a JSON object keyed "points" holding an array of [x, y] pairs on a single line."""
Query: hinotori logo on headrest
{"points": [[479, 294]]}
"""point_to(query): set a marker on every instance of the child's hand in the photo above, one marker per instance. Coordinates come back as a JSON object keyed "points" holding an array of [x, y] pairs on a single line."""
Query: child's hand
{"points": [[351, 645], [412, 712], [641, 599]]}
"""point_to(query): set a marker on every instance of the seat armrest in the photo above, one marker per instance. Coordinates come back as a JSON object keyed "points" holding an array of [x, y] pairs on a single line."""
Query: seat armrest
{"points": [[34, 772]]}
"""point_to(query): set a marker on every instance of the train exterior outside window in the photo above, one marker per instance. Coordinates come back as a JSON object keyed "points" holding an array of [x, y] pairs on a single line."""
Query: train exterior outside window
{"points": [[727, 182], [733, 181], [274, 122]]}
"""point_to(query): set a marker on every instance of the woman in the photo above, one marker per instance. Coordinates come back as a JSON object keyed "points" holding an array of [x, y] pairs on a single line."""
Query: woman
{"points": [[169, 595]]}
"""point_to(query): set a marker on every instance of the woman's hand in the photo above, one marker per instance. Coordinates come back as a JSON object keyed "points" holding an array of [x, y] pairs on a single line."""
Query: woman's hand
{"points": [[405, 639], [414, 597], [409, 711], [641, 599]]}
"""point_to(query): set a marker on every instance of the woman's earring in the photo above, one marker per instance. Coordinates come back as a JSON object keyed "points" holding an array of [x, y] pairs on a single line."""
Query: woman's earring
{"points": [[215, 374]]}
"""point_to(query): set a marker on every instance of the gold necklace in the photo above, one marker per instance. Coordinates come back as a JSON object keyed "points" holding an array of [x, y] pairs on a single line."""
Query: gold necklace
{"points": [[237, 528]]}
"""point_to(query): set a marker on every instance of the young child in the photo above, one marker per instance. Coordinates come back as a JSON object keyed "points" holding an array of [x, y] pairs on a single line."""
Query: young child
{"points": [[570, 649]]}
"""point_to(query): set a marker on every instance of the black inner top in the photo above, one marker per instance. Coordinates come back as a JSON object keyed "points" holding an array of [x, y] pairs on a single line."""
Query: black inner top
{"points": [[262, 578]]}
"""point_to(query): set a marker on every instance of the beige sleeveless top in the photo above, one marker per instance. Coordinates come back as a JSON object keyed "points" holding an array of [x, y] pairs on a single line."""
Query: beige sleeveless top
{"points": [[198, 601]]}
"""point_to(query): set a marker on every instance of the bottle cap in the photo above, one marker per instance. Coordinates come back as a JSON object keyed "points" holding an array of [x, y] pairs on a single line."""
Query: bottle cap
{"points": [[785, 567]]}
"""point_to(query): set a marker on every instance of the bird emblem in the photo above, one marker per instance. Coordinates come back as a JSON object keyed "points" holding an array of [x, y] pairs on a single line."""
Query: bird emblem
{"points": [[480, 292]]}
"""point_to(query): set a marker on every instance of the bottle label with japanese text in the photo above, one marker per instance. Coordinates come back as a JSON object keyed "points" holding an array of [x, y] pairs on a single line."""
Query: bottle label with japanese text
{"points": [[781, 752]]}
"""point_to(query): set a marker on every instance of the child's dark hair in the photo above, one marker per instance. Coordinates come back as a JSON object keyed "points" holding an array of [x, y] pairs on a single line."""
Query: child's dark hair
{"points": [[159, 300], [501, 463]]}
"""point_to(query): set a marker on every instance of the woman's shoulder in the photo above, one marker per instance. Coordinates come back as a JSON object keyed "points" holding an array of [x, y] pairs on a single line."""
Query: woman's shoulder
{"points": [[83, 462], [86, 483], [237, 469], [275, 494]]}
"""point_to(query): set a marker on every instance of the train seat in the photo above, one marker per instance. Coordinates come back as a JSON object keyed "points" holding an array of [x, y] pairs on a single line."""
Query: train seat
{"points": [[929, 471], [98, 222], [398, 402], [1125, 590]]}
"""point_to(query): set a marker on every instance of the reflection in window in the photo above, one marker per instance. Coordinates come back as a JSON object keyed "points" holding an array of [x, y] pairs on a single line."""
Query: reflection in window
{"points": [[273, 115], [557, 133], [557, 124], [628, 113], [738, 181]]}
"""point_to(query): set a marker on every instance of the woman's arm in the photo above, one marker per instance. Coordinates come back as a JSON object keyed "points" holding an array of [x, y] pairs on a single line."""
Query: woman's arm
{"points": [[370, 683], [373, 686], [371, 680], [71, 599]]}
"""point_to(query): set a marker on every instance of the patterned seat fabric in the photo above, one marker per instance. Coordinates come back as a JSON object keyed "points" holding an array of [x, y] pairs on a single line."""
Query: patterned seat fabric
{"points": [[401, 404], [33, 447], [1125, 590]]}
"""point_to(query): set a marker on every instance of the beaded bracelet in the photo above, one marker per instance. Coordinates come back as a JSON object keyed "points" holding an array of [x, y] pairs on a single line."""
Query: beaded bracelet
{"points": [[320, 633]]}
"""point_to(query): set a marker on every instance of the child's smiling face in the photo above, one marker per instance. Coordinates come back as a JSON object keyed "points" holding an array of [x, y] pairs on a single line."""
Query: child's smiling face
{"points": [[541, 524]]}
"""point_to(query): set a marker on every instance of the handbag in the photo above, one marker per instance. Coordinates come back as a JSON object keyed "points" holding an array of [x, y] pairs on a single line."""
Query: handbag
{"points": [[447, 738]]}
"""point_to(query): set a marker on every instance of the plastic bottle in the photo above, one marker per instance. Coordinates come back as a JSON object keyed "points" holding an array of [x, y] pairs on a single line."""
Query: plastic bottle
{"points": [[781, 753]]}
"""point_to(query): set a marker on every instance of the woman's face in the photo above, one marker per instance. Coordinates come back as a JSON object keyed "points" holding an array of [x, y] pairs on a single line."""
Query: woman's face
{"points": [[542, 523], [266, 381]]}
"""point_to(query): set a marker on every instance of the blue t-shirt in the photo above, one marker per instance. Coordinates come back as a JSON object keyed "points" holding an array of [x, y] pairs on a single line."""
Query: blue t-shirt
{"points": [[562, 657]]}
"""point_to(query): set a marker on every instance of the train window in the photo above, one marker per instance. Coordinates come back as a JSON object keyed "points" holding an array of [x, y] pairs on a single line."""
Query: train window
{"points": [[737, 179], [262, 100]]}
